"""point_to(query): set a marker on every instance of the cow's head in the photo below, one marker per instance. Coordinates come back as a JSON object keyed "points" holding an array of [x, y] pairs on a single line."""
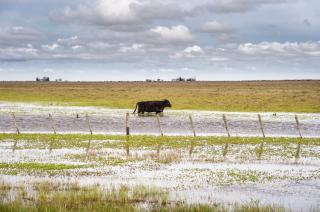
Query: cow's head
{"points": [[166, 103]]}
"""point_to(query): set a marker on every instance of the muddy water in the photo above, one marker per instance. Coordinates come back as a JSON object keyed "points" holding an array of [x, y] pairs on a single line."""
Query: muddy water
{"points": [[35, 118]]}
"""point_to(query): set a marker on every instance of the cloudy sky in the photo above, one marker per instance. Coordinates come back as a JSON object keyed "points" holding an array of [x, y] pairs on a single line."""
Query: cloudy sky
{"points": [[139, 39]]}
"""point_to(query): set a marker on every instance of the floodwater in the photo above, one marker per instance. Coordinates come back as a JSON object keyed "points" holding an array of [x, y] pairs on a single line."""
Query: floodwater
{"points": [[33, 118], [205, 177]]}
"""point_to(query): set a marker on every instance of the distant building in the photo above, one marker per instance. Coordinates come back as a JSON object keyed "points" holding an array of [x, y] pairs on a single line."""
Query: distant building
{"points": [[44, 79], [191, 79], [179, 79]]}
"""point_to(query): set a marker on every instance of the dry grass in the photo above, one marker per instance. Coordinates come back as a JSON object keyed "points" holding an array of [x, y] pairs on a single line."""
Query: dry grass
{"points": [[294, 96]]}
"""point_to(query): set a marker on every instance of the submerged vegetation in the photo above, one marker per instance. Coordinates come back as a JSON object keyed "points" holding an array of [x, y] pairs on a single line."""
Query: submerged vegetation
{"points": [[284, 96]]}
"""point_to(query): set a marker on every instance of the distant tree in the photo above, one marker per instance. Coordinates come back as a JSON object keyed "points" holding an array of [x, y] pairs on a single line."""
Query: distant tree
{"points": [[148, 80]]}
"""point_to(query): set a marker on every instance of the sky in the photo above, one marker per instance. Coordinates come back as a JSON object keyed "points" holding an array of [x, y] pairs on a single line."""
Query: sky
{"points": [[107, 40]]}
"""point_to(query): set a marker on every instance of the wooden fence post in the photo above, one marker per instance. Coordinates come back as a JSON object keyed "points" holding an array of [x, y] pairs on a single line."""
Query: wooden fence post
{"points": [[226, 146], [88, 148], [159, 125], [297, 155], [298, 125], [15, 123], [192, 125], [261, 126], [194, 134], [127, 126], [52, 124], [17, 131], [226, 124], [88, 123], [263, 136], [127, 145]]}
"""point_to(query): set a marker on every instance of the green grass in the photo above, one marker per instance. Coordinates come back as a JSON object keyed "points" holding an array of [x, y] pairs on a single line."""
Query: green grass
{"points": [[137, 141], [38, 166], [61, 198], [286, 96]]}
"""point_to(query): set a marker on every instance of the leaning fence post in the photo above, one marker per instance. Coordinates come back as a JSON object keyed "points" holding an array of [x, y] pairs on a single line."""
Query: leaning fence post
{"points": [[226, 124], [297, 155], [159, 125], [17, 130], [263, 135], [88, 123], [15, 123], [194, 134], [225, 150], [192, 125], [52, 125]]}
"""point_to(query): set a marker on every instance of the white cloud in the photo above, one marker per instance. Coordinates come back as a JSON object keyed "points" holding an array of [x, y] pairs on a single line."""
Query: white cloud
{"points": [[17, 53], [221, 31], [179, 33], [216, 27], [281, 49], [117, 11], [136, 47], [236, 6], [190, 52], [219, 59], [50, 47], [120, 12], [16, 34]]}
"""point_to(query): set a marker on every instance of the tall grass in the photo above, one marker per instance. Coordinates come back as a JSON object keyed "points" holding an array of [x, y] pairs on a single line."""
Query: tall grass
{"points": [[48, 196]]}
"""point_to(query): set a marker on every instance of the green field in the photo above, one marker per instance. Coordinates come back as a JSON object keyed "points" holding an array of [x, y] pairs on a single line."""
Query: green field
{"points": [[288, 96]]}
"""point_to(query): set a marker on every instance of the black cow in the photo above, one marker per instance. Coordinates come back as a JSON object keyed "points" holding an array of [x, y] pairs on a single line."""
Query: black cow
{"points": [[152, 106]]}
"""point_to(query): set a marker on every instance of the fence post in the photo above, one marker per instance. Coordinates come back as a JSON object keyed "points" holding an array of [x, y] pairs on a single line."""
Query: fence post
{"points": [[17, 131], [127, 145], [226, 146], [52, 124], [297, 155], [88, 148], [226, 124], [192, 125], [263, 136], [15, 123], [159, 125], [194, 134], [88, 123], [298, 125], [261, 126], [127, 126]]}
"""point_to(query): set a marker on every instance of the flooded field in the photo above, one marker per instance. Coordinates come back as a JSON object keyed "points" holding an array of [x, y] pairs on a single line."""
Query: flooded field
{"points": [[188, 174], [31, 118]]}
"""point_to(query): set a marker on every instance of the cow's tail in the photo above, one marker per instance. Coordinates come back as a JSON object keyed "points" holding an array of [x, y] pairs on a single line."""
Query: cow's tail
{"points": [[135, 108]]}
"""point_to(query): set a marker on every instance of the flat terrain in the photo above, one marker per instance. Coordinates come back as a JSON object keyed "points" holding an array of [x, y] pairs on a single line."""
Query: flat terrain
{"points": [[42, 172], [286, 96], [34, 118]]}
